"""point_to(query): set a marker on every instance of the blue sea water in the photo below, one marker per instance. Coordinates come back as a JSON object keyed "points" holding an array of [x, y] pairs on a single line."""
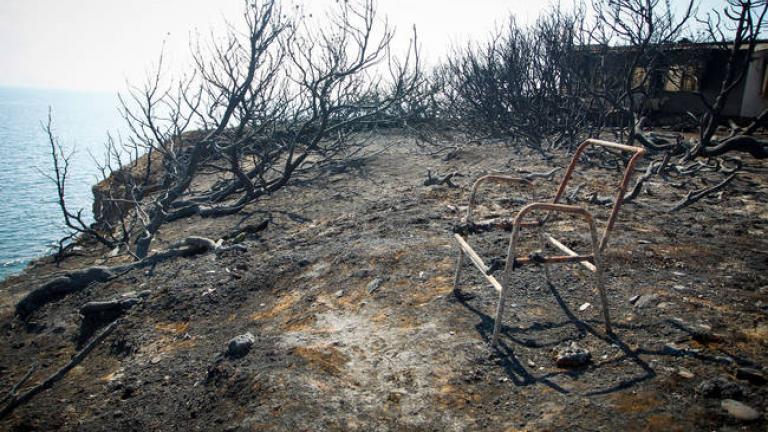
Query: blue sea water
{"points": [[30, 219]]}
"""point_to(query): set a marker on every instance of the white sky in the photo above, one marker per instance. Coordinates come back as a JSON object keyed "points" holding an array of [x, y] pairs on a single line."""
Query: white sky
{"points": [[99, 44]]}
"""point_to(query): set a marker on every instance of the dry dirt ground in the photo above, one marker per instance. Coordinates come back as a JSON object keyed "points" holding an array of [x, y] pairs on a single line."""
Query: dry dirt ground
{"points": [[330, 355]]}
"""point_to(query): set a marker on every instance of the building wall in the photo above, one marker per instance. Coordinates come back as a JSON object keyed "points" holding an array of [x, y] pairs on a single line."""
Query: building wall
{"points": [[710, 80], [753, 102]]}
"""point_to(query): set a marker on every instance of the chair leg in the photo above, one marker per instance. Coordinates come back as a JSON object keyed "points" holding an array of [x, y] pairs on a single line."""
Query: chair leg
{"points": [[508, 268], [457, 275], [543, 239], [499, 314], [599, 281]]}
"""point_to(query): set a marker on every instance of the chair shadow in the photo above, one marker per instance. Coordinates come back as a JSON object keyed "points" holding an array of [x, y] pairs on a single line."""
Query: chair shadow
{"points": [[520, 376]]}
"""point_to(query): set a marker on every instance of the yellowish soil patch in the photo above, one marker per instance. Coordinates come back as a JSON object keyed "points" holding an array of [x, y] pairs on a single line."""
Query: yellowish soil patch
{"points": [[436, 286], [114, 370], [382, 316], [758, 334], [168, 346], [753, 340], [663, 422], [326, 358], [283, 303], [306, 323], [635, 403], [351, 300], [453, 397], [681, 250], [710, 304], [407, 321], [173, 327], [400, 319], [164, 346]]}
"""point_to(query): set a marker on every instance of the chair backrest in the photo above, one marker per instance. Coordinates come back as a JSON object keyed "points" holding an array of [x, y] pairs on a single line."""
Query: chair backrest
{"points": [[622, 187]]}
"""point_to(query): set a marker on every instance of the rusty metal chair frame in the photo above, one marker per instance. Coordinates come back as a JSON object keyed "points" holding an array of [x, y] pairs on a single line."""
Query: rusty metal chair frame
{"points": [[592, 262]]}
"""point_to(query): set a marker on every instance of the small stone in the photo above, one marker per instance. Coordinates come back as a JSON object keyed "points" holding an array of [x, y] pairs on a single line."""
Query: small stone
{"points": [[679, 287], [361, 273], [531, 363], [703, 333], [239, 346], [739, 410], [727, 360], [339, 293], [572, 356], [685, 373], [664, 305], [584, 307], [645, 300], [374, 285], [672, 349], [679, 274], [720, 387], [634, 299], [752, 375]]}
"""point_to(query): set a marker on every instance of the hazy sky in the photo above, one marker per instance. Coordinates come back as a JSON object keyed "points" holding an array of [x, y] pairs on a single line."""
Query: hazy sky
{"points": [[99, 44]]}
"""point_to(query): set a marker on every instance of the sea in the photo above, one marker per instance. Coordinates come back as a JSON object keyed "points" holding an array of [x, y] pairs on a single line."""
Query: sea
{"points": [[31, 222]]}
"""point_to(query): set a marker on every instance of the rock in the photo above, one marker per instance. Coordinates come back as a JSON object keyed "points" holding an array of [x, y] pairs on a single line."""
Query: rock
{"points": [[724, 360], [664, 305], [672, 349], [361, 273], [685, 373], [703, 333], [584, 307], [754, 376], [645, 300], [339, 293], [374, 285], [739, 410], [720, 387], [240, 345], [572, 356], [634, 299]]}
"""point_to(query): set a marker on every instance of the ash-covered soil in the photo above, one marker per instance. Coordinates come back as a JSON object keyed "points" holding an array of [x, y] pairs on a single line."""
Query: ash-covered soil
{"points": [[349, 296]]}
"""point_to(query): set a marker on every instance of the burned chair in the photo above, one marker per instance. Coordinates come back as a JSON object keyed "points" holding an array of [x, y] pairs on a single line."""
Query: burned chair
{"points": [[592, 261]]}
